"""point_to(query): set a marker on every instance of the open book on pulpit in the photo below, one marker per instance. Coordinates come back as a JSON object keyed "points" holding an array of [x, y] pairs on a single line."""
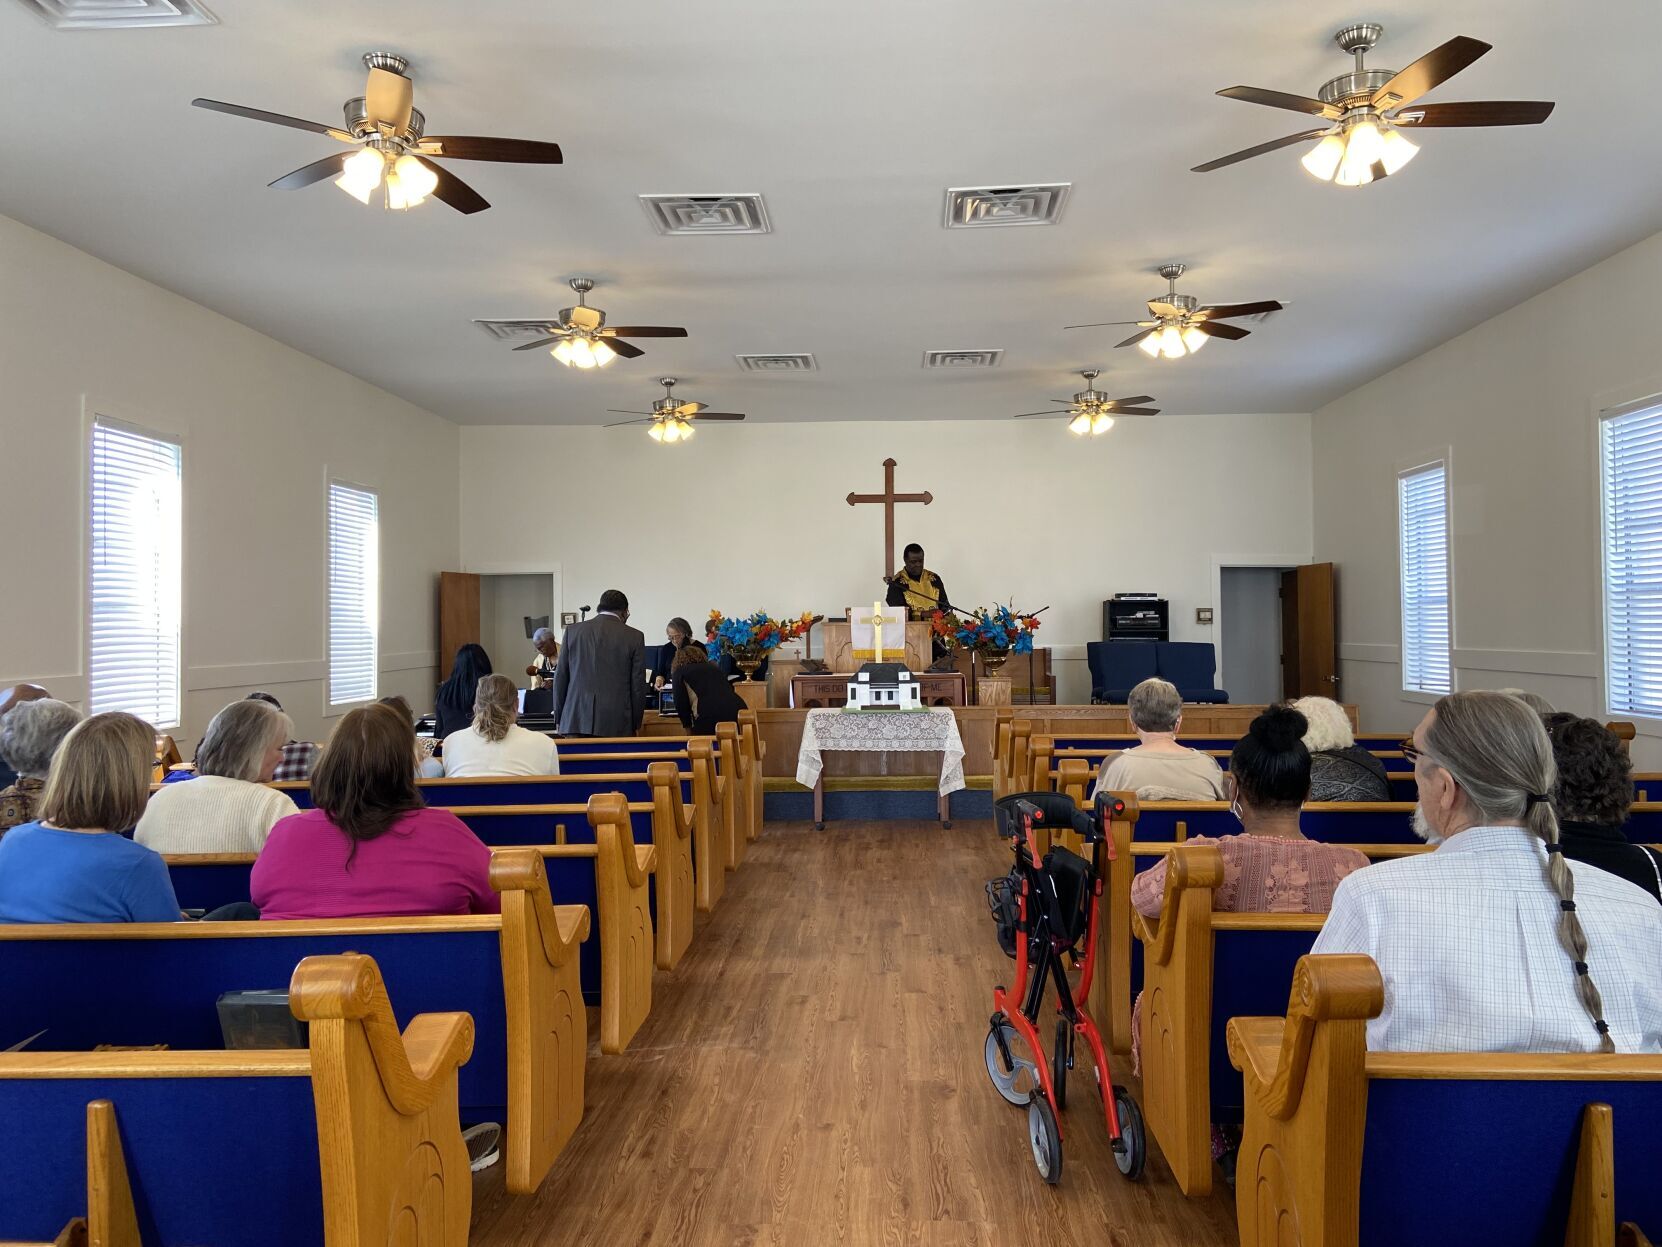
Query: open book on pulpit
{"points": [[854, 640]]}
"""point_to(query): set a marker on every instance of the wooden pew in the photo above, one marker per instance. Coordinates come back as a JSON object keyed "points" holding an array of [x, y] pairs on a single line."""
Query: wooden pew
{"points": [[354, 1140], [1003, 723], [752, 750], [575, 746], [516, 975], [1346, 1146]]}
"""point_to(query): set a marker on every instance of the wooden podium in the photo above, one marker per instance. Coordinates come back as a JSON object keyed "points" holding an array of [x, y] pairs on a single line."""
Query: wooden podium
{"points": [[839, 650]]}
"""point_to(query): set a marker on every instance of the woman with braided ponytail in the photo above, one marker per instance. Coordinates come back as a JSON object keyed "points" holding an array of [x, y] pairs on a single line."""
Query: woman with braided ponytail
{"points": [[1492, 943]]}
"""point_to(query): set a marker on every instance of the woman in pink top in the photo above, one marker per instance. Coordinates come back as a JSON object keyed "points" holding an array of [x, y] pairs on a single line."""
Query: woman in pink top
{"points": [[371, 848]]}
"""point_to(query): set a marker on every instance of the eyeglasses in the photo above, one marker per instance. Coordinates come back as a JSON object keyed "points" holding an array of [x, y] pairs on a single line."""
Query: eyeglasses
{"points": [[1410, 750]]}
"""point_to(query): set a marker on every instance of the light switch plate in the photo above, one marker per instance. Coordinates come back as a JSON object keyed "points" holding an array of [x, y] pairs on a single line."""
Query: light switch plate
{"points": [[1203, 614]]}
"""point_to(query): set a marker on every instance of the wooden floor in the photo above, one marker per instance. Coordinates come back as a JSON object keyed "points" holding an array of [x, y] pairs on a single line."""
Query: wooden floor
{"points": [[812, 1074]]}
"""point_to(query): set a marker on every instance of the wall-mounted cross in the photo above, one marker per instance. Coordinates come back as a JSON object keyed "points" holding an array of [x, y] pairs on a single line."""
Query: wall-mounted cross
{"points": [[888, 498]]}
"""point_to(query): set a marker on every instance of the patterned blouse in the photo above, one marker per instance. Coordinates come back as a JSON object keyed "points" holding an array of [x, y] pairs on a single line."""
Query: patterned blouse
{"points": [[19, 802], [1262, 874]]}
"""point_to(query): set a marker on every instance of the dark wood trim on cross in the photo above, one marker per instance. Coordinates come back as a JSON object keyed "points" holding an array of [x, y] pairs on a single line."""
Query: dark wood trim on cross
{"points": [[888, 498]]}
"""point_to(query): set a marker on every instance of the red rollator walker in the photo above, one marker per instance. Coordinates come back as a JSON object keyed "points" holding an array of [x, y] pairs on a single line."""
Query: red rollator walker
{"points": [[1044, 910]]}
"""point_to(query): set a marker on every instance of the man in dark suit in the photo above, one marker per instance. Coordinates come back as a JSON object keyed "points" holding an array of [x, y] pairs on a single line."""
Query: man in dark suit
{"points": [[600, 686]]}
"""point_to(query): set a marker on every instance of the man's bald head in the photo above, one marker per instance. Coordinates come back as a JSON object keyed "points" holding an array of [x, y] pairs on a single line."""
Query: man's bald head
{"points": [[17, 694]]}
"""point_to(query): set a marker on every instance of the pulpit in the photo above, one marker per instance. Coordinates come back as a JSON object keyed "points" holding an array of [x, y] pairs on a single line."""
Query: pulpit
{"points": [[839, 645]]}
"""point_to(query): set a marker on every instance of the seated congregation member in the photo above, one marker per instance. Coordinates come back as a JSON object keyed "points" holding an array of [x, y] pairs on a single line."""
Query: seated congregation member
{"points": [[1493, 943], [1159, 768], [1540, 705], [1269, 867], [662, 662], [371, 848], [426, 763], [1340, 769], [703, 697], [74, 864], [1595, 786], [10, 699], [227, 808], [453, 703], [29, 737], [495, 744], [299, 756]]}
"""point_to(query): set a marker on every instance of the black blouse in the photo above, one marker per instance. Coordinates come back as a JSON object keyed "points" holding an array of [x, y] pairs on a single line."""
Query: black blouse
{"points": [[1608, 848]]}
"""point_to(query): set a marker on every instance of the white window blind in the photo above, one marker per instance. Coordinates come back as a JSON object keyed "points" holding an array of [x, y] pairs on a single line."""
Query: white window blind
{"points": [[136, 575], [354, 594], [1631, 484], [1422, 505]]}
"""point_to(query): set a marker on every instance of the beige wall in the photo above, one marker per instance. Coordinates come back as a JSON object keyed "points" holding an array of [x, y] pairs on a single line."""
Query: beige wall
{"points": [[1515, 401], [263, 427], [755, 516]]}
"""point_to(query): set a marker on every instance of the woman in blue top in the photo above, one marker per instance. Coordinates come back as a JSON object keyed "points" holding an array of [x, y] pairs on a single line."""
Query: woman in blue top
{"points": [[73, 864]]}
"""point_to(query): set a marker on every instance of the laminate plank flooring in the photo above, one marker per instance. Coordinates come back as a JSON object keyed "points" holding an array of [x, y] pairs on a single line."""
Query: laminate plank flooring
{"points": [[812, 1074]]}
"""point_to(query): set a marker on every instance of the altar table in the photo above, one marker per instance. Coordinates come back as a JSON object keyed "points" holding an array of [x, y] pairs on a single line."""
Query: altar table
{"points": [[937, 688], [883, 731]]}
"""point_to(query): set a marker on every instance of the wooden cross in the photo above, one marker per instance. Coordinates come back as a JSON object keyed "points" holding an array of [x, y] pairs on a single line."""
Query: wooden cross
{"points": [[888, 498]]}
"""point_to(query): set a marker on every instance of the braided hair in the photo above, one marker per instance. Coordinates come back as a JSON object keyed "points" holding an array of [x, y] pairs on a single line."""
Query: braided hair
{"points": [[1498, 753]]}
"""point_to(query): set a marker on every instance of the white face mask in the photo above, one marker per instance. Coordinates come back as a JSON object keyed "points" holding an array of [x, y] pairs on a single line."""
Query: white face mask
{"points": [[1423, 828]]}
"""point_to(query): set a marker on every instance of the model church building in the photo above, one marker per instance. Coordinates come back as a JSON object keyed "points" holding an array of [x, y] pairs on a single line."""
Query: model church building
{"points": [[884, 686]]}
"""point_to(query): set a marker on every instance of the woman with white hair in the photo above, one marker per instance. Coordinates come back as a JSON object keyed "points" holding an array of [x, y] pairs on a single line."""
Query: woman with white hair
{"points": [[29, 738], [494, 744], [227, 808], [1340, 769], [1157, 767]]}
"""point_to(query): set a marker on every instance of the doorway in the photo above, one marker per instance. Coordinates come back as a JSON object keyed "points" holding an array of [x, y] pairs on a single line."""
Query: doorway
{"points": [[1249, 636], [497, 607]]}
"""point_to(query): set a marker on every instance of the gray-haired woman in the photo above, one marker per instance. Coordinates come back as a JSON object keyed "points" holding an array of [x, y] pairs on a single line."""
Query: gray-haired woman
{"points": [[1157, 767], [31, 736], [227, 808]]}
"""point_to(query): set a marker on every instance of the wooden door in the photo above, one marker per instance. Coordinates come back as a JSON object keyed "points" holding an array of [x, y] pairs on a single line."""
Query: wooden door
{"points": [[1309, 646], [458, 615]]}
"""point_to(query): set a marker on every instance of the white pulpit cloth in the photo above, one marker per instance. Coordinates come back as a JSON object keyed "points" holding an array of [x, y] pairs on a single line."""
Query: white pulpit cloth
{"points": [[881, 731]]}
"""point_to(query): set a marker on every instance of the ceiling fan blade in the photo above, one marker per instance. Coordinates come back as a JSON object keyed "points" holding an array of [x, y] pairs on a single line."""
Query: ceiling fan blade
{"points": [[1133, 401], [642, 331], [1024, 414], [531, 346], [1433, 69], [1221, 329], [689, 409], [1262, 148], [1133, 339], [719, 415], [328, 167], [1159, 307], [455, 192], [625, 349], [510, 151], [1477, 113], [1223, 311], [620, 411], [1135, 411], [1103, 324], [623, 424], [387, 99], [276, 119], [1281, 99]]}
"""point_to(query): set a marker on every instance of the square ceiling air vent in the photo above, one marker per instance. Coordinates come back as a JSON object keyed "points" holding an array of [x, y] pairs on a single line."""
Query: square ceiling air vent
{"points": [[707, 214], [113, 14], [516, 330], [978, 207], [777, 363], [988, 358]]}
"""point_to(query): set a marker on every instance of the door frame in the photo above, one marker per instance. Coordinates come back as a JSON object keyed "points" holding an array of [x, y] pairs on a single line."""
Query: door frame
{"points": [[551, 570], [1280, 562]]}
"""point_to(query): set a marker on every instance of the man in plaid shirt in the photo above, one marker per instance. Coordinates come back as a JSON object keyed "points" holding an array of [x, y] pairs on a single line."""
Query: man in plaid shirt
{"points": [[299, 756]]}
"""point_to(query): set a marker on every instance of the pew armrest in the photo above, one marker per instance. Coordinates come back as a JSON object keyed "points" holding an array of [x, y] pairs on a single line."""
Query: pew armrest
{"points": [[1190, 871], [560, 927], [646, 861], [665, 779]]}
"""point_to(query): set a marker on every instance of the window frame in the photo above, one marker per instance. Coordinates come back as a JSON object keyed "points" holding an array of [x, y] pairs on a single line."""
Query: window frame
{"points": [[95, 415], [1443, 459], [1649, 403], [331, 708]]}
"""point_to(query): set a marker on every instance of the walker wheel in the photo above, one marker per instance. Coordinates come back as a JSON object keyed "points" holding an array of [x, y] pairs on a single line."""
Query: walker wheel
{"points": [[1063, 1062], [1132, 1153], [1045, 1138], [1013, 1076]]}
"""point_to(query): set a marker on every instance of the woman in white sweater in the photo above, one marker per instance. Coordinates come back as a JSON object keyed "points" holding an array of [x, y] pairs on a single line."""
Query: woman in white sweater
{"points": [[227, 808], [495, 744]]}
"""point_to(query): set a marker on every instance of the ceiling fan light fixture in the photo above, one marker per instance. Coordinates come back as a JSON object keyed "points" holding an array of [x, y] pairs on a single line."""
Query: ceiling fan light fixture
{"points": [[1101, 423], [655, 431], [582, 354], [672, 433], [562, 351], [1080, 424], [686, 429], [1150, 345], [417, 180], [603, 354], [1194, 339], [1322, 161], [1171, 343], [362, 174], [1396, 149]]}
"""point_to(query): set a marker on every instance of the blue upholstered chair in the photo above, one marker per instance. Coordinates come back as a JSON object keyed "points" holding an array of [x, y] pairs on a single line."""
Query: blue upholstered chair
{"points": [[1117, 667], [1193, 667]]}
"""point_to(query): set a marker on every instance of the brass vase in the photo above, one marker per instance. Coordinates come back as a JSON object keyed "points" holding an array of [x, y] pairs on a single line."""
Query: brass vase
{"points": [[993, 660], [747, 665]]}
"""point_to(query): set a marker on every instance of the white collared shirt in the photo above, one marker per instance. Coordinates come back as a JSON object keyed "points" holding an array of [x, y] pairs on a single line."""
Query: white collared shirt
{"points": [[1467, 941]]}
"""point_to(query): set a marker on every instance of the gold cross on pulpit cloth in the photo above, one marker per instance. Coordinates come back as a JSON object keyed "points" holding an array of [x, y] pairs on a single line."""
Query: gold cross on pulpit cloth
{"points": [[875, 621], [888, 498]]}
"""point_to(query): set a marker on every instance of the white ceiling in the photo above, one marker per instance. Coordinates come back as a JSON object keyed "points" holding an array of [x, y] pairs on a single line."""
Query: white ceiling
{"points": [[851, 118]]}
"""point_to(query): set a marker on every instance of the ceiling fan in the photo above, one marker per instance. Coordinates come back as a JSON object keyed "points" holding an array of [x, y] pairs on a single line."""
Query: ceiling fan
{"points": [[671, 420], [1092, 410], [1181, 326], [583, 339], [1365, 112], [394, 151]]}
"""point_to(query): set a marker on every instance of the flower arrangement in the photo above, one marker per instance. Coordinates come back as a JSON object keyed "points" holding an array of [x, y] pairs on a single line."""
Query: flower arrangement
{"points": [[987, 630], [749, 639]]}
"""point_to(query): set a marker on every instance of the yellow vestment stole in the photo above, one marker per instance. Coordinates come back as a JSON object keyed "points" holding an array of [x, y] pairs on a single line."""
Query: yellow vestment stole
{"points": [[923, 596]]}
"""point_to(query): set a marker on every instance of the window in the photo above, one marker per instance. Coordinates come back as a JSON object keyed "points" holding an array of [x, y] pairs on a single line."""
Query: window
{"points": [[1630, 470], [1422, 512], [136, 570], [354, 594]]}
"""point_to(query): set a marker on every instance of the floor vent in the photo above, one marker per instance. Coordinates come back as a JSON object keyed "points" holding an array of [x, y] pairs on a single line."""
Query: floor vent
{"points": [[980, 207], [707, 214], [989, 358], [515, 330], [777, 363], [108, 15]]}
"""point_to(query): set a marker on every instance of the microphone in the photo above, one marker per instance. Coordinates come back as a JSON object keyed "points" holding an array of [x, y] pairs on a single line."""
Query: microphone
{"points": [[586, 610]]}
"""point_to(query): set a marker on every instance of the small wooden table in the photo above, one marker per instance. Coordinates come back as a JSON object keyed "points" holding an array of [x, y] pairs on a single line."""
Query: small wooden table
{"points": [[830, 691], [929, 731]]}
